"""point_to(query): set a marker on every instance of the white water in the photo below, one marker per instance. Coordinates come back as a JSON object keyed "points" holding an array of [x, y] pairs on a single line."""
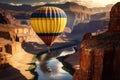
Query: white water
{"points": [[57, 72]]}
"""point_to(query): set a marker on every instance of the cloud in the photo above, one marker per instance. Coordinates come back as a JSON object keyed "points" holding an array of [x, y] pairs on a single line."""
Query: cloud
{"points": [[50, 2], [14, 4], [94, 3], [38, 3], [88, 3]]}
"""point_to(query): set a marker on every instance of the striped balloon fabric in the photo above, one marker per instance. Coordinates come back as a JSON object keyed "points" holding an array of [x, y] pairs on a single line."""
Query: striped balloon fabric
{"points": [[48, 23]]}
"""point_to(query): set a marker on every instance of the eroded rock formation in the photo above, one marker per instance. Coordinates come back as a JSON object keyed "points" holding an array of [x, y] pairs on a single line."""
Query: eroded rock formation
{"points": [[99, 55], [3, 58], [10, 36], [114, 24], [12, 54], [7, 18], [3, 18]]}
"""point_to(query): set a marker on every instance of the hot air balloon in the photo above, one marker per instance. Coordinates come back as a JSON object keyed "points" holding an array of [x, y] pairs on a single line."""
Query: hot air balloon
{"points": [[48, 22]]}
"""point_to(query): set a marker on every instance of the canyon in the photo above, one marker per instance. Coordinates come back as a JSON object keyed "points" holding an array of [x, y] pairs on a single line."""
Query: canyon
{"points": [[99, 54], [17, 40], [12, 55], [75, 13]]}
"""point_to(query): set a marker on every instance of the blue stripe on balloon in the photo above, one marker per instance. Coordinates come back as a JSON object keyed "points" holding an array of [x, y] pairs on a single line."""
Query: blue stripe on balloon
{"points": [[48, 15]]}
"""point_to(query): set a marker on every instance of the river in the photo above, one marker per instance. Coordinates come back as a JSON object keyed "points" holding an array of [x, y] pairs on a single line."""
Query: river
{"points": [[55, 66], [57, 73]]}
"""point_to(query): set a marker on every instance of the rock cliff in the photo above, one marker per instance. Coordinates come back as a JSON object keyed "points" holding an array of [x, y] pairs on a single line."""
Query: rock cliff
{"points": [[13, 59], [114, 24], [75, 13], [99, 54], [91, 27], [7, 18], [3, 18]]}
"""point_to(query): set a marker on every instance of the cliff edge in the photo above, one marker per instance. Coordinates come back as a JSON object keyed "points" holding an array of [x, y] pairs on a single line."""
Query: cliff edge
{"points": [[99, 54]]}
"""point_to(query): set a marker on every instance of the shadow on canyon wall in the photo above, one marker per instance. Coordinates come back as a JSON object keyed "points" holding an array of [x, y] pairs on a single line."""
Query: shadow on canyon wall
{"points": [[10, 73]]}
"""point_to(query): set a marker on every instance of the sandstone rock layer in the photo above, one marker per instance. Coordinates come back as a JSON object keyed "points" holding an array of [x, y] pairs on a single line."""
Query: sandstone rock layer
{"points": [[99, 55]]}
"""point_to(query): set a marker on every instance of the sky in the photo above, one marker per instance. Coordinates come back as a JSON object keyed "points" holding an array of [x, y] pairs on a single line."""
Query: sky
{"points": [[88, 3]]}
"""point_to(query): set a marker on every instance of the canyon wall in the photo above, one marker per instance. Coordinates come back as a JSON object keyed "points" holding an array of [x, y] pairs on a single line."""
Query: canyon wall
{"points": [[99, 54], [7, 18], [75, 13], [9, 36], [14, 60]]}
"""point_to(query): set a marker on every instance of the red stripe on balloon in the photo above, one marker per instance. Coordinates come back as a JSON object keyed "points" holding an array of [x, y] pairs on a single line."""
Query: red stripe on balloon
{"points": [[48, 40]]}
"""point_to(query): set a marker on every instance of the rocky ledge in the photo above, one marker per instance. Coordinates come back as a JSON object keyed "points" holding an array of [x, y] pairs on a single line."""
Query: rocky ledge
{"points": [[99, 55]]}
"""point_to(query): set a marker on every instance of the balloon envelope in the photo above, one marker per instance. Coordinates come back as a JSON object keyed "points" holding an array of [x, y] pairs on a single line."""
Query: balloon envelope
{"points": [[48, 23]]}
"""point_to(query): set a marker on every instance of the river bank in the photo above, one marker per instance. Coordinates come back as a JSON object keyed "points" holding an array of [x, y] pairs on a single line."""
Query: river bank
{"points": [[58, 67]]}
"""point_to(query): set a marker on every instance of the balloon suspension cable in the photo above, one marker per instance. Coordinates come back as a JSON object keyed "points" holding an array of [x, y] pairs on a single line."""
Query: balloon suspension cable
{"points": [[48, 49]]}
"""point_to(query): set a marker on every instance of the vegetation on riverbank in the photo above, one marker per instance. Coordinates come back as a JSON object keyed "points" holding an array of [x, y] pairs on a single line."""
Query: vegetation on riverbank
{"points": [[32, 68]]}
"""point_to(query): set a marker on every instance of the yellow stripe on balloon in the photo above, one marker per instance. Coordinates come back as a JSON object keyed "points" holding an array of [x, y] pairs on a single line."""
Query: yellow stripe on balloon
{"points": [[48, 25]]}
